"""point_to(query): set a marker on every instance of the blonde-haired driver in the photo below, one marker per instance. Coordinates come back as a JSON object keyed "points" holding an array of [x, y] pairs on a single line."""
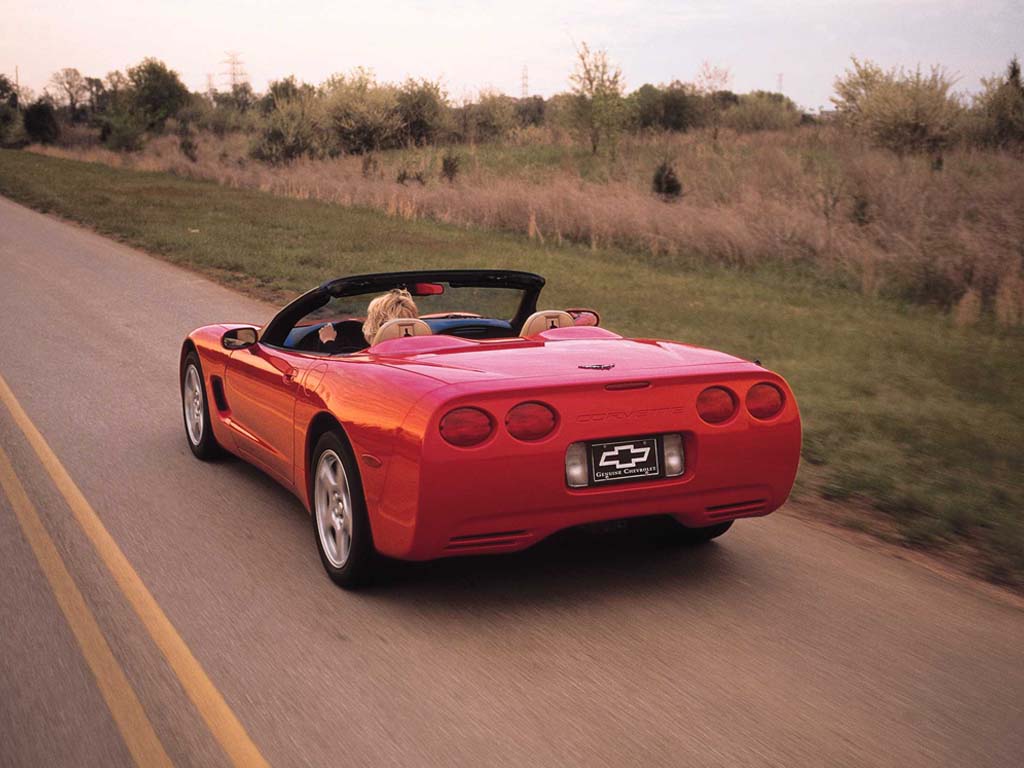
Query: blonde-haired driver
{"points": [[396, 303]]}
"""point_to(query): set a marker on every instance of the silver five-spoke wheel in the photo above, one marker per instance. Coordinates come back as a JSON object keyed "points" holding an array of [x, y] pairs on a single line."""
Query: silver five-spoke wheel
{"points": [[192, 403], [333, 501]]}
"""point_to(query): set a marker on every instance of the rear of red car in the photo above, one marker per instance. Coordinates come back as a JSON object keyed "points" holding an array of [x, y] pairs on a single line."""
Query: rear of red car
{"points": [[490, 464]]}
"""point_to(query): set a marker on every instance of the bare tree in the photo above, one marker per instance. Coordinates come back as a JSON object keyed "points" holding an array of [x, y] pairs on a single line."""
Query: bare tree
{"points": [[71, 88], [713, 84]]}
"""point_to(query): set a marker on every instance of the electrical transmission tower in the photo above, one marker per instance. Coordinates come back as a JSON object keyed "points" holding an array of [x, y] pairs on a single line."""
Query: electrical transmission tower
{"points": [[211, 87], [235, 72], [778, 84], [525, 90]]}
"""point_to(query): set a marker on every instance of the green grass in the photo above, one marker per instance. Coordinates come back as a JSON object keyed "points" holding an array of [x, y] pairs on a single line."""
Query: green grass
{"points": [[922, 420]]}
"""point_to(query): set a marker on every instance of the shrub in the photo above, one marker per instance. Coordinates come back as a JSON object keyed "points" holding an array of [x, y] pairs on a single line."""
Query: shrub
{"points": [[666, 184], [1002, 108], [905, 112], [450, 166], [292, 130], [491, 118], [423, 111], [360, 114], [761, 111], [40, 121], [186, 142], [123, 132], [530, 111]]}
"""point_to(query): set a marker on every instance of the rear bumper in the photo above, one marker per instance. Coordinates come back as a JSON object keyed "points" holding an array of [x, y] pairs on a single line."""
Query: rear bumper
{"points": [[506, 495]]}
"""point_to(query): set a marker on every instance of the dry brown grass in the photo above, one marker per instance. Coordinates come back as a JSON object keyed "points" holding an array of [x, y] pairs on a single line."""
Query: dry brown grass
{"points": [[812, 196]]}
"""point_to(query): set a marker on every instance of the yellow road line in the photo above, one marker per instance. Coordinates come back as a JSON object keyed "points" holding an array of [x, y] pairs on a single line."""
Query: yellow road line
{"points": [[136, 729], [222, 722]]}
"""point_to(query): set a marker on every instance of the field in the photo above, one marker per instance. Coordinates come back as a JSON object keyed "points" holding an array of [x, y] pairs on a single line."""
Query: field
{"points": [[911, 412], [814, 199]]}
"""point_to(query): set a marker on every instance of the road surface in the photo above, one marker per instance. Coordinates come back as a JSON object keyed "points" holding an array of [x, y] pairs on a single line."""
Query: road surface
{"points": [[785, 643]]}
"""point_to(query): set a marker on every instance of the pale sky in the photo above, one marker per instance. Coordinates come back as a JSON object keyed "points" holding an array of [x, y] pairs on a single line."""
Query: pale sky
{"points": [[471, 45]]}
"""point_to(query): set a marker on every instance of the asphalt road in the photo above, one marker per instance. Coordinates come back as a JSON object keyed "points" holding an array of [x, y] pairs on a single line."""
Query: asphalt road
{"points": [[785, 643]]}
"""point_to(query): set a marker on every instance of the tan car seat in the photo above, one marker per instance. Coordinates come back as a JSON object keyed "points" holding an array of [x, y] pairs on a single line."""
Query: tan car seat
{"points": [[545, 321], [399, 328]]}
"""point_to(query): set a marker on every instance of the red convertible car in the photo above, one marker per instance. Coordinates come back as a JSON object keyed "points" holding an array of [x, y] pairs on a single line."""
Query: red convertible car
{"points": [[483, 425]]}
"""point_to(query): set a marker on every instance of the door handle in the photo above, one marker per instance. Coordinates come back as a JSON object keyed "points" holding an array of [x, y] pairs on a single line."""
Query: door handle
{"points": [[290, 376]]}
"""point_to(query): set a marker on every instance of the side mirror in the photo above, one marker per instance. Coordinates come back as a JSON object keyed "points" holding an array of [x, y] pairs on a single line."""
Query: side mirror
{"points": [[585, 317], [239, 338]]}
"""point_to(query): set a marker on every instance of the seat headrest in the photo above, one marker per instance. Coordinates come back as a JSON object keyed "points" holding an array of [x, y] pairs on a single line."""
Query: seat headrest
{"points": [[545, 321], [400, 328]]}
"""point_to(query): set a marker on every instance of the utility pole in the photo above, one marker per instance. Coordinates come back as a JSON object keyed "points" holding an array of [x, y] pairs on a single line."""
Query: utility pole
{"points": [[525, 90], [778, 84], [210, 87]]}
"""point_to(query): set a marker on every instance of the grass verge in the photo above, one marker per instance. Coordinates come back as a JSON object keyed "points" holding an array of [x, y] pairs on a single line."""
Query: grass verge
{"points": [[903, 410]]}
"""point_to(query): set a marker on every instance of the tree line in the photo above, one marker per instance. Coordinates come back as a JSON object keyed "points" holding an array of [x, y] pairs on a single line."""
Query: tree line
{"points": [[907, 111]]}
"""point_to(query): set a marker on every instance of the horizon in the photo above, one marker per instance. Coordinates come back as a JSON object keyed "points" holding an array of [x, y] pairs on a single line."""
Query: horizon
{"points": [[652, 42]]}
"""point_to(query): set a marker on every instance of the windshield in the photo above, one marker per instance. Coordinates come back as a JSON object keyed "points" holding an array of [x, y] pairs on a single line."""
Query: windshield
{"points": [[433, 300]]}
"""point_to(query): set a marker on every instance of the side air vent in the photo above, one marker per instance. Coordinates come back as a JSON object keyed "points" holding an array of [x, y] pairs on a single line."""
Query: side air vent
{"points": [[486, 540], [737, 509], [218, 393]]}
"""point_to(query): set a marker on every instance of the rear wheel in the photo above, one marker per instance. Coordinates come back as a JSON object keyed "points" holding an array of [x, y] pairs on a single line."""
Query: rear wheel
{"points": [[681, 534], [340, 522], [195, 408]]}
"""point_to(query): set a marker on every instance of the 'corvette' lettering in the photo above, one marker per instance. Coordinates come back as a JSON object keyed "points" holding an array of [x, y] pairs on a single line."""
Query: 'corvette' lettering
{"points": [[642, 413]]}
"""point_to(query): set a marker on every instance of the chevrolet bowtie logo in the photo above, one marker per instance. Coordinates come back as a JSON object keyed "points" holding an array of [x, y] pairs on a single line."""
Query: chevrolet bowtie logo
{"points": [[624, 456]]}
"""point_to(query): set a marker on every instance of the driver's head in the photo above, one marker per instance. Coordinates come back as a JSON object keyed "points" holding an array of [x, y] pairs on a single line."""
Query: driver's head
{"points": [[396, 303]]}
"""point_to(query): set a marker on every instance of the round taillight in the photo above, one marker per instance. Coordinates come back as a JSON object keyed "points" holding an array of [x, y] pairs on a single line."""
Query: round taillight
{"points": [[765, 401], [466, 426], [716, 404], [530, 421]]}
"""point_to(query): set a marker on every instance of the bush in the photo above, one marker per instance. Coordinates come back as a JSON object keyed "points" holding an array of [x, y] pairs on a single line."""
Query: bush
{"points": [[530, 111], [1002, 108], [491, 118], [450, 166], [666, 184], [360, 114], [40, 121], [292, 130], [675, 107], [123, 132], [762, 111], [423, 110], [906, 112]]}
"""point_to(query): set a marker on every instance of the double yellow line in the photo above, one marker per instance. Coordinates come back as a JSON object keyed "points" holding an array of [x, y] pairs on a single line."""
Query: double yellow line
{"points": [[135, 727]]}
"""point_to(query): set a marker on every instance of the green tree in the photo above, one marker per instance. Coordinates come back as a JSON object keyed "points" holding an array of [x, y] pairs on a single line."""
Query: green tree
{"points": [[157, 92], [361, 115], [598, 108]]}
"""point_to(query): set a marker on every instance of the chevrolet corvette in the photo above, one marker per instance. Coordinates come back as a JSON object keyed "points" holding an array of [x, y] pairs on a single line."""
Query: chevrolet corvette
{"points": [[483, 425]]}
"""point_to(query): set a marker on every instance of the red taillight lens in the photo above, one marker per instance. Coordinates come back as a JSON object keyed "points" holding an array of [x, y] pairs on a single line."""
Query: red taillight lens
{"points": [[466, 426], [530, 421], [716, 404], [765, 401]]}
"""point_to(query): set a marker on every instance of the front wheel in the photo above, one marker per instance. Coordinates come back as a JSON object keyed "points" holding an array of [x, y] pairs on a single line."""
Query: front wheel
{"points": [[340, 522], [681, 534], [195, 407]]}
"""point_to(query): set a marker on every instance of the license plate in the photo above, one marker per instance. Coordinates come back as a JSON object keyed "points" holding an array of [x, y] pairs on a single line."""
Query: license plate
{"points": [[616, 461]]}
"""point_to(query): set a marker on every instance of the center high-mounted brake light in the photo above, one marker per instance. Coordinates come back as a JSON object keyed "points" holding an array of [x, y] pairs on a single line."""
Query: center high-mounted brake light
{"points": [[716, 404], [465, 427], [530, 421]]}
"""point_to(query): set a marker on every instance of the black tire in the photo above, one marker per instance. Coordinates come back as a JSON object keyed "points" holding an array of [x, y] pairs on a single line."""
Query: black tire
{"points": [[681, 534], [206, 447], [358, 566]]}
